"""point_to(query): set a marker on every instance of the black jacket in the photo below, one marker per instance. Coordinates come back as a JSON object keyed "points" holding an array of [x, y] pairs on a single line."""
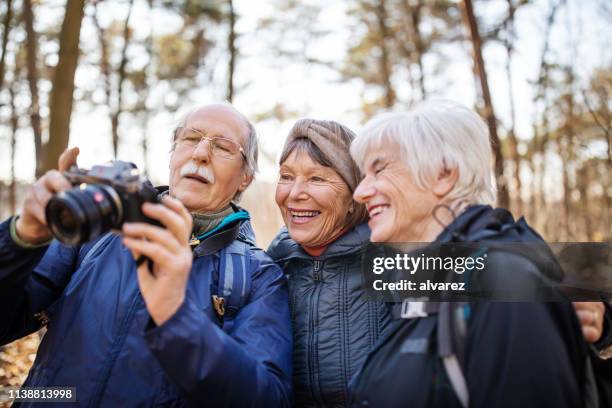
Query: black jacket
{"points": [[516, 354], [334, 325]]}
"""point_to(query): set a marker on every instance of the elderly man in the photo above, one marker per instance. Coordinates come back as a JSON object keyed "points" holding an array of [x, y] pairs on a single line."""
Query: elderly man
{"points": [[209, 325]]}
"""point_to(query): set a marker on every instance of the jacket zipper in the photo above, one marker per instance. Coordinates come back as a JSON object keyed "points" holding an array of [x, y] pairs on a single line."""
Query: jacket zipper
{"points": [[316, 271], [358, 380], [314, 301]]}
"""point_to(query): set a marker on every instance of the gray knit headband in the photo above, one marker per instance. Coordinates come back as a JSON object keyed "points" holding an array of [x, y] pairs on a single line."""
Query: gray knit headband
{"points": [[334, 141]]}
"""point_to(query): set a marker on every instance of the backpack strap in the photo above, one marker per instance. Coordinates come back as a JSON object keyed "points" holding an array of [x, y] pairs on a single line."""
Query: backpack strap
{"points": [[231, 280], [451, 336], [590, 389], [234, 282]]}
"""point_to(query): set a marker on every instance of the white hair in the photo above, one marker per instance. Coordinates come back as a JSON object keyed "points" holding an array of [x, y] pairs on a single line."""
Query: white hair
{"points": [[436, 135]]}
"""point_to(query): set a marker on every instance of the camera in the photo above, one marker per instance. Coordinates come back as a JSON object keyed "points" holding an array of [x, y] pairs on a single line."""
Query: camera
{"points": [[103, 199]]}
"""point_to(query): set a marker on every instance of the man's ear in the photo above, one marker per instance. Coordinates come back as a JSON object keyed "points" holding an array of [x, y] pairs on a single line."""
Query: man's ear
{"points": [[445, 182], [245, 182]]}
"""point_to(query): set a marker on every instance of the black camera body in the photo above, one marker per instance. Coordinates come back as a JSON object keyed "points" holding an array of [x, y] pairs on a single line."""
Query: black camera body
{"points": [[103, 199]]}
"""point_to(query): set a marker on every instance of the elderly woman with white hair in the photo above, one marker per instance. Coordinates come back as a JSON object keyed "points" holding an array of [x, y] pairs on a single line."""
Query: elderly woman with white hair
{"points": [[428, 178]]}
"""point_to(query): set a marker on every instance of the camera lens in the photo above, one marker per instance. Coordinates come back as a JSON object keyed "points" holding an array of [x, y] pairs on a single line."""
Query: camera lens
{"points": [[83, 213], [66, 219]]}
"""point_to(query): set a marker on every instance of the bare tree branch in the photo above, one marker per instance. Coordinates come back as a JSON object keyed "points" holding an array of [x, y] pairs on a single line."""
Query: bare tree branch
{"points": [[5, 36], [32, 69], [63, 84], [479, 65]]}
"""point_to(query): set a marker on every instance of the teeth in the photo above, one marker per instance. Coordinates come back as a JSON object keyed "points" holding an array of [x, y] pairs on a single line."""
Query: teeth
{"points": [[378, 210], [304, 213]]}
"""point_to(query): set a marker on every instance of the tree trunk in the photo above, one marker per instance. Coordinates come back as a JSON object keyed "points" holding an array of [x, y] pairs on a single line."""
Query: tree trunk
{"points": [[564, 152], [569, 130], [415, 19], [512, 132], [540, 137], [104, 59], [567, 154], [5, 36], [470, 19], [149, 82], [231, 46], [605, 124], [412, 14], [13, 140], [32, 69], [60, 106], [385, 63], [121, 79], [533, 194], [607, 236], [584, 182]]}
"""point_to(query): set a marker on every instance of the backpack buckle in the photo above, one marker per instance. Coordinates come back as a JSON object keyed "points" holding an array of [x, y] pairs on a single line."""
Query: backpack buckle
{"points": [[412, 309]]}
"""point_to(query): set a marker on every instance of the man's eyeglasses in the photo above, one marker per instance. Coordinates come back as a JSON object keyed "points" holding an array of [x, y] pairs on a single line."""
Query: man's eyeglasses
{"points": [[219, 146]]}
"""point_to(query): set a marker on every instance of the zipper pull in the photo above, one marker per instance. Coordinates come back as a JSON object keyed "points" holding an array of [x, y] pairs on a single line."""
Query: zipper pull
{"points": [[317, 268]]}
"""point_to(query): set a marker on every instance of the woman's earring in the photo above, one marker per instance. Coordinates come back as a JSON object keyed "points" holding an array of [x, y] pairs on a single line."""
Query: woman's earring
{"points": [[445, 207], [352, 208]]}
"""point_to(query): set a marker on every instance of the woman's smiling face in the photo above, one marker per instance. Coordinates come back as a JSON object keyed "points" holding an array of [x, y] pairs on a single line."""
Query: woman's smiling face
{"points": [[314, 200], [399, 210]]}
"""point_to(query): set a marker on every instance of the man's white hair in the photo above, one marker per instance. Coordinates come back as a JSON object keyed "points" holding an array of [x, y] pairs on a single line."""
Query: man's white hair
{"points": [[431, 137]]}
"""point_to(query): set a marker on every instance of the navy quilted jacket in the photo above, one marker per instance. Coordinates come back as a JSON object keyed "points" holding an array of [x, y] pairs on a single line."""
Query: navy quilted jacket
{"points": [[334, 325]]}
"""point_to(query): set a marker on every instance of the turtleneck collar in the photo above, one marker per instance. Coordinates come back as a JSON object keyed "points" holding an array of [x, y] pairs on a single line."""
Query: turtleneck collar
{"points": [[205, 222]]}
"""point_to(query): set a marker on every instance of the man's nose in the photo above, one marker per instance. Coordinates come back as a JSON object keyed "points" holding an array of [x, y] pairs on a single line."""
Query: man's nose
{"points": [[203, 151], [364, 191]]}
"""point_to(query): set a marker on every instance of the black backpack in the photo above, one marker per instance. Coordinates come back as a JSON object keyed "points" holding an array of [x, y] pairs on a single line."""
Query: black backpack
{"points": [[451, 340]]}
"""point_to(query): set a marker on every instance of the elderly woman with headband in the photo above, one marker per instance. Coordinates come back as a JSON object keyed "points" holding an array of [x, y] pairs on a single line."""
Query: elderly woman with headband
{"points": [[428, 178], [320, 250]]}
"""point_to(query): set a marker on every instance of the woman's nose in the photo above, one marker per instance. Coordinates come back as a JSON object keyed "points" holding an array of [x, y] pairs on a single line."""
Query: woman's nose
{"points": [[364, 191], [298, 190]]}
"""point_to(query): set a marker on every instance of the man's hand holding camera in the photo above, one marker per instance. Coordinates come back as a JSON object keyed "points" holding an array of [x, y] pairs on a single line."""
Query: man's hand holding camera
{"points": [[163, 289], [32, 225]]}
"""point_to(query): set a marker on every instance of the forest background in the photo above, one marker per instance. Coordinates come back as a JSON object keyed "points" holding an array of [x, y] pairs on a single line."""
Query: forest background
{"points": [[114, 76]]}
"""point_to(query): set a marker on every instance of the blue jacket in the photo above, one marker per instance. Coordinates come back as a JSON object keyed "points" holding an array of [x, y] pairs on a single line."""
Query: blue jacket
{"points": [[101, 339]]}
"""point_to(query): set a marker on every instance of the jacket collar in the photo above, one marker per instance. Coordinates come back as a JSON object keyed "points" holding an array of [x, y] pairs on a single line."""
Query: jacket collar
{"points": [[482, 222], [245, 232], [283, 247], [496, 227]]}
